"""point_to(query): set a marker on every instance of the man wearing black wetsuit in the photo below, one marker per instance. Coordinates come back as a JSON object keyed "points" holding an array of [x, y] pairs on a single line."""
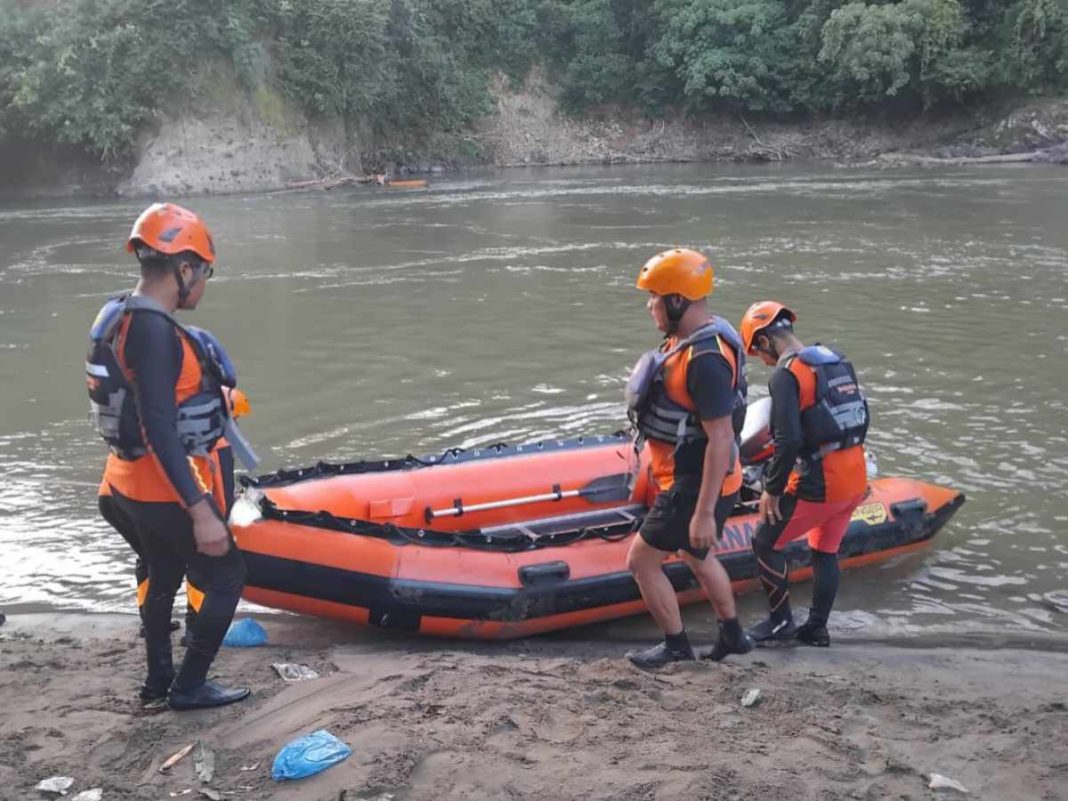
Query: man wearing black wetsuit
{"points": [[159, 405]]}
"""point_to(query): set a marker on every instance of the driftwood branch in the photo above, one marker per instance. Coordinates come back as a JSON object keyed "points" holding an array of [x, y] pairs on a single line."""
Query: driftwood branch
{"points": [[1006, 158], [763, 149]]}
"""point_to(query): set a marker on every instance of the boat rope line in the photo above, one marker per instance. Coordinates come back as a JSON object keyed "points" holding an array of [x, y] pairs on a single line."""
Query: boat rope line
{"points": [[282, 478], [508, 540]]}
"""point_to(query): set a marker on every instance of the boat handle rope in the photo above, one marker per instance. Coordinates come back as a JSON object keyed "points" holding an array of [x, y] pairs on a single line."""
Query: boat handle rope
{"points": [[323, 469], [512, 542]]}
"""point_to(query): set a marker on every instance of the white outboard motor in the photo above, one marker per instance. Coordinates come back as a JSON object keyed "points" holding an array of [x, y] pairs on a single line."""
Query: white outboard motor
{"points": [[756, 443], [755, 448]]}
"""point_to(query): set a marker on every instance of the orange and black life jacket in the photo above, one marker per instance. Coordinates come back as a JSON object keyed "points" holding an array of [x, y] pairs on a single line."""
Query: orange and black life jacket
{"points": [[202, 417], [657, 412], [834, 410]]}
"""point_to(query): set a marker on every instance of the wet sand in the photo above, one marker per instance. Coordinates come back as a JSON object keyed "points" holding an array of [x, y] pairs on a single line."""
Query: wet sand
{"points": [[541, 719]]}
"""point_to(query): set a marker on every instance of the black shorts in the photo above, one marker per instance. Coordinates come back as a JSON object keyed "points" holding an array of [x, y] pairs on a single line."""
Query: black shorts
{"points": [[667, 525]]}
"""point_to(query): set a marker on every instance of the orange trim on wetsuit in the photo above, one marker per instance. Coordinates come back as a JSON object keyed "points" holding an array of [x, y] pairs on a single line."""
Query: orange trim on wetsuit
{"points": [[844, 472], [144, 479], [675, 386]]}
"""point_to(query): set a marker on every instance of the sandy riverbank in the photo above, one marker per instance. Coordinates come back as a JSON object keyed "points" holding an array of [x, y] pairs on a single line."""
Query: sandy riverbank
{"points": [[551, 718]]}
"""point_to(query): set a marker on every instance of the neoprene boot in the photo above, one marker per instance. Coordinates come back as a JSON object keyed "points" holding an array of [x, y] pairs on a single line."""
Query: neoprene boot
{"points": [[205, 696], [160, 675], [192, 690], [674, 648], [813, 632], [826, 577], [731, 640], [777, 628]]}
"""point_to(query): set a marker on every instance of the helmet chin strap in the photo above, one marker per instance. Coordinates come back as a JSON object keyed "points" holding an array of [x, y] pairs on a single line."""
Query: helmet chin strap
{"points": [[183, 288], [675, 312]]}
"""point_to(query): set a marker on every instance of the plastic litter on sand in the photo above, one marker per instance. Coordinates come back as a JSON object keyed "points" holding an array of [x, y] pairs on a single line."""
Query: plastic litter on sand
{"points": [[308, 755], [293, 672], [940, 782], [752, 697], [55, 784], [245, 633], [204, 763]]}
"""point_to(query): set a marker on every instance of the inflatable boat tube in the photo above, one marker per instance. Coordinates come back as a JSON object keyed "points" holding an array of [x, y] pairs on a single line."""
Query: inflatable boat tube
{"points": [[507, 541]]}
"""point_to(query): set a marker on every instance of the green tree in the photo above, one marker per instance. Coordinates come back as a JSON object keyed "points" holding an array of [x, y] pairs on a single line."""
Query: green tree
{"points": [[98, 72], [332, 55], [867, 49], [599, 51], [729, 52], [1036, 36], [97, 77]]}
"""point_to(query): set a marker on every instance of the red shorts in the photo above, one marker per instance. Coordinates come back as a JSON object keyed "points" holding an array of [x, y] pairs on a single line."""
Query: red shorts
{"points": [[824, 523]]}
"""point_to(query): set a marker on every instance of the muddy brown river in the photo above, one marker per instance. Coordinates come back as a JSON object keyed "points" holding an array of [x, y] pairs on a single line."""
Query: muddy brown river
{"points": [[500, 306]]}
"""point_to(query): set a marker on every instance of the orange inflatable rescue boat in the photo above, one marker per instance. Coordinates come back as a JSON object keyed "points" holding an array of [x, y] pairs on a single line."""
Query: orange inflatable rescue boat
{"points": [[508, 541]]}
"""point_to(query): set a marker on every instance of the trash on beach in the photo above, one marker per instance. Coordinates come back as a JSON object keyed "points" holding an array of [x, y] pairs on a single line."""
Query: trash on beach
{"points": [[289, 671], [175, 758], [245, 633], [96, 794], [308, 755], [940, 782], [55, 784], [752, 697], [204, 763], [214, 795], [186, 791], [247, 768]]}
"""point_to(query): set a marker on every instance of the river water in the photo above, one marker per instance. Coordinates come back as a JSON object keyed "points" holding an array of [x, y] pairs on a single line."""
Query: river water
{"points": [[500, 306]]}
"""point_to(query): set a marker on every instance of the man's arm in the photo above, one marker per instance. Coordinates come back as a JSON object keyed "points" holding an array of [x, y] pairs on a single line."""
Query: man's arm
{"points": [[789, 437], [718, 453], [786, 423], [710, 382]]}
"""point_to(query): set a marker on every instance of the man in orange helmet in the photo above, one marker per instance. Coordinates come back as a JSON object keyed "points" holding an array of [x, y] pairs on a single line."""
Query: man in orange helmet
{"points": [[687, 400], [818, 473], [156, 397]]}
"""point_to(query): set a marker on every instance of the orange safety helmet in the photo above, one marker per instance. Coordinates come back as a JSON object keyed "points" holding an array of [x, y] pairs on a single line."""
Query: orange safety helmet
{"points": [[677, 272], [170, 229], [758, 317]]}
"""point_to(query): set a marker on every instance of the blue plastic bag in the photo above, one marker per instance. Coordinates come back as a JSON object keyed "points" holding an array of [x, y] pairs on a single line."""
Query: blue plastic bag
{"points": [[308, 755], [245, 634]]}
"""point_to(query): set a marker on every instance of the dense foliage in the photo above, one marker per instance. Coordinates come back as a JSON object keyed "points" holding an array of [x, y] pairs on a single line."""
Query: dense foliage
{"points": [[94, 72]]}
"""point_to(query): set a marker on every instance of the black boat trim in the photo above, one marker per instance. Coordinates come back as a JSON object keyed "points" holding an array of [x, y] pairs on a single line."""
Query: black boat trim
{"points": [[401, 603], [510, 539]]}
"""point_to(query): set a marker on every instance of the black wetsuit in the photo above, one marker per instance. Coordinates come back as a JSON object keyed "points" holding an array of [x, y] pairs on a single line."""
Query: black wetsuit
{"points": [[153, 353]]}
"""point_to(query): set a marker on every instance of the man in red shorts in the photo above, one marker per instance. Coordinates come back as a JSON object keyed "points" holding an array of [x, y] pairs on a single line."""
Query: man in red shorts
{"points": [[817, 476]]}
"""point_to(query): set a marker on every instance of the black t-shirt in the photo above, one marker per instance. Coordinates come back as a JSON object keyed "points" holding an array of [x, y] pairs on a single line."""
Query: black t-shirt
{"points": [[709, 382]]}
